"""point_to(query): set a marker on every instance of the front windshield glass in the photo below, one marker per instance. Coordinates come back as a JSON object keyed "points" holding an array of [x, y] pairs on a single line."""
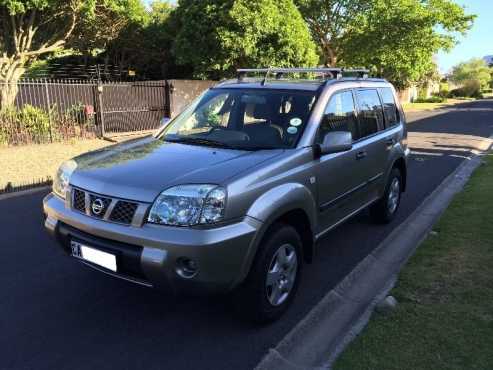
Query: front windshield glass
{"points": [[243, 119]]}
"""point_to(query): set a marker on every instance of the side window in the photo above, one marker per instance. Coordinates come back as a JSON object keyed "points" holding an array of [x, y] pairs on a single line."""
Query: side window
{"points": [[339, 116], [370, 116], [389, 107]]}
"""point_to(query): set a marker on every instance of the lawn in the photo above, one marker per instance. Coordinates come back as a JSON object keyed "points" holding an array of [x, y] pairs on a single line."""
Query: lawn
{"points": [[444, 319], [416, 107], [31, 163]]}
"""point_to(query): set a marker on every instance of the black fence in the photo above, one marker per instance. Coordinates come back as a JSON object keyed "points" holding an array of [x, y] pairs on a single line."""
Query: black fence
{"points": [[43, 111]]}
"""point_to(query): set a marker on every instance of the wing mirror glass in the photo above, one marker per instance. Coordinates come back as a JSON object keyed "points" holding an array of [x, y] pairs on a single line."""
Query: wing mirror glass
{"points": [[336, 142]]}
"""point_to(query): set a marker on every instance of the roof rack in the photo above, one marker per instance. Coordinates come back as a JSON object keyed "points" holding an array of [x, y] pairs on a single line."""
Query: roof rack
{"points": [[328, 73]]}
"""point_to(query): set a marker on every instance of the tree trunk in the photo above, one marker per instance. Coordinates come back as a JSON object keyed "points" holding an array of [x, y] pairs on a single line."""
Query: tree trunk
{"points": [[9, 84], [8, 94]]}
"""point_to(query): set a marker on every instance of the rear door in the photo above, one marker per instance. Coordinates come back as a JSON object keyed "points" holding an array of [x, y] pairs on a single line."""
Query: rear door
{"points": [[373, 143]]}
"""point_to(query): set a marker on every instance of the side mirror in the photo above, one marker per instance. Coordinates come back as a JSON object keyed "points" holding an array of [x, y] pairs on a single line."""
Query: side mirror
{"points": [[336, 142]]}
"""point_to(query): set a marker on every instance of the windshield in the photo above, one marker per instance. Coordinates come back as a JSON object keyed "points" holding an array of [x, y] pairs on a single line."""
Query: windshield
{"points": [[243, 119]]}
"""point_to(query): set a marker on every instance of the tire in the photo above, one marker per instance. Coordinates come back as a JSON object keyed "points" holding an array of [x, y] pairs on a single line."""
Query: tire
{"points": [[261, 301], [385, 209]]}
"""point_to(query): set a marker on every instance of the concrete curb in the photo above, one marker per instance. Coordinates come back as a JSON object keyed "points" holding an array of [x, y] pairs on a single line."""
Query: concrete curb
{"points": [[24, 192], [317, 340]]}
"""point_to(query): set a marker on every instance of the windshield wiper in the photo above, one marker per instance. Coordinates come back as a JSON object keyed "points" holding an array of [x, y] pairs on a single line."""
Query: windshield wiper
{"points": [[200, 141]]}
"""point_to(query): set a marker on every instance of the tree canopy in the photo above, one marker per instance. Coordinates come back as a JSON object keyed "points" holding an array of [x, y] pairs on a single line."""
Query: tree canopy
{"points": [[472, 70], [395, 38], [215, 37], [30, 29]]}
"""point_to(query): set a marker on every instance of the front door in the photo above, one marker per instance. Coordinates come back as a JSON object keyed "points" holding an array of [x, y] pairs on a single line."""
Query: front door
{"points": [[340, 176]]}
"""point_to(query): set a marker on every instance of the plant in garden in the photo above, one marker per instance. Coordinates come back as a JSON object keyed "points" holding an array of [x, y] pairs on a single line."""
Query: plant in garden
{"points": [[215, 37]]}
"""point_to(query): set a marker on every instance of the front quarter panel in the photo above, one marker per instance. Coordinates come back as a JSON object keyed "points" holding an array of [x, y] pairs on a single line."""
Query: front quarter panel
{"points": [[282, 199]]}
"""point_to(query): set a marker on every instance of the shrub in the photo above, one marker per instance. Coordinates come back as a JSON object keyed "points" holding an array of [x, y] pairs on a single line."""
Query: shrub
{"points": [[35, 121], [431, 99], [470, 89]]}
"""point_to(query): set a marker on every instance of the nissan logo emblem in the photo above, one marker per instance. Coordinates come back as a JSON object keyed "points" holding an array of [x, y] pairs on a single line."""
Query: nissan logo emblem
{"points": [[97, 206]]}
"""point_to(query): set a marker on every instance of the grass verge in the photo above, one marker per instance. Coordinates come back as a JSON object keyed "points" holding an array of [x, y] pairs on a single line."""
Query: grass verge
{"points": [[417, 107], [444, 319], [32, 163]]}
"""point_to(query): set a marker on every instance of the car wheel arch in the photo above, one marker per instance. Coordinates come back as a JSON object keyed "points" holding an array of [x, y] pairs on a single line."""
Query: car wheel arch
{"points": [[292, 204]]}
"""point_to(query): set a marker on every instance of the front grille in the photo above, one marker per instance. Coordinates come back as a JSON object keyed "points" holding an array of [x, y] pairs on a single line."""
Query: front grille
{"points": [[122, 211], [79, 200], [98, 205]]}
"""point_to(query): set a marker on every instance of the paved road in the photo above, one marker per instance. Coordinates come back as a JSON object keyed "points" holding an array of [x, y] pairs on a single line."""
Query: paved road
{"points": [[58, 314]]}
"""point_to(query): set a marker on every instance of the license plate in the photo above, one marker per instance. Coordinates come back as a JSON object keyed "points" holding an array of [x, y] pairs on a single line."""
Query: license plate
{"points": [[106, 260]]}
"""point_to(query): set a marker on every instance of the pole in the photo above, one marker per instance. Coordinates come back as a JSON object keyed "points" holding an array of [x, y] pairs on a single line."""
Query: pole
{"points": [[48, 103]]}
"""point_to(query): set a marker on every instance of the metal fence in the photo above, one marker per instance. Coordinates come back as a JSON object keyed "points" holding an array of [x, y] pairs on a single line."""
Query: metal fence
{"points": [[53, 110]]}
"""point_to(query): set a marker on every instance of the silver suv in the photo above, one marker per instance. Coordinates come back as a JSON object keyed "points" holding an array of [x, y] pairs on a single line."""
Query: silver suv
{"points": [[233, 194]]}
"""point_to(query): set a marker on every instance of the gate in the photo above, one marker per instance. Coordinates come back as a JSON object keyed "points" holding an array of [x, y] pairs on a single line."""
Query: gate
{"points": [[131, 106]]}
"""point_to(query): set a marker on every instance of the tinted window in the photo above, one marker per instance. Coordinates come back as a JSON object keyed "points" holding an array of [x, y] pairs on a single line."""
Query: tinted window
{"points": [[389, 107], [370, 116], [339, 116]]}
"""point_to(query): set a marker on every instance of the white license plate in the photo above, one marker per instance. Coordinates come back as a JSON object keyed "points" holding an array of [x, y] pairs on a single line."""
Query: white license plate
{"points": [[106, 260]]}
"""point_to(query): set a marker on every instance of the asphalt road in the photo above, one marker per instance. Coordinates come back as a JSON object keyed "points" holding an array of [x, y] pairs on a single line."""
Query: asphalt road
{"points": [[58, 314]]}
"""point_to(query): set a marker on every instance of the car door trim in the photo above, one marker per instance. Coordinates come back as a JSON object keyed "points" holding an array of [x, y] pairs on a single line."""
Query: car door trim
{"points": [[333, 203]]}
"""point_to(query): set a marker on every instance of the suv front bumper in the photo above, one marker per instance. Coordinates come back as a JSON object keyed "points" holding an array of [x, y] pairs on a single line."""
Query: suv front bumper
{"points": [[148, 255]]}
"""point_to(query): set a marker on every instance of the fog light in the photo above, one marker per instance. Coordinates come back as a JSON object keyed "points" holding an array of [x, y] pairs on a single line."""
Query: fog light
{"points": [[186, 267]]}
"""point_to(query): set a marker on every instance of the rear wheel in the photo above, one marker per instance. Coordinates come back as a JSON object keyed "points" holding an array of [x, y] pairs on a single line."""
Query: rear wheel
{"points": [[386, 208], [274, 276]]}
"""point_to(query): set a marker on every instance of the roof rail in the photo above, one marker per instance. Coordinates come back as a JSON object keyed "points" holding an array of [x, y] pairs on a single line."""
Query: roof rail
{"points": [[328, 73]]}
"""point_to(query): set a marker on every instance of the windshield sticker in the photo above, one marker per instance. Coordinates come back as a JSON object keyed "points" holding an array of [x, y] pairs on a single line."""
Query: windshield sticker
{"points": [[295, 121], [292, 130]]}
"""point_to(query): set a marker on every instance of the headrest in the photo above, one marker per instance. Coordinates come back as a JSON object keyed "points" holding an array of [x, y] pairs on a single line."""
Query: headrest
{"points": [[262, 111]]}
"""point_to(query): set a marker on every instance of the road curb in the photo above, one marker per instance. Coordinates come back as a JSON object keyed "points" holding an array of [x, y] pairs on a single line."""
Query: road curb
{"points": [[24, 192], [317, 340]]}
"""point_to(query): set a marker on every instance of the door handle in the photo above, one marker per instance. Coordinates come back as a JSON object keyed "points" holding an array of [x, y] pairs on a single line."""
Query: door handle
{"points": [[361, 155], [390, 142]]}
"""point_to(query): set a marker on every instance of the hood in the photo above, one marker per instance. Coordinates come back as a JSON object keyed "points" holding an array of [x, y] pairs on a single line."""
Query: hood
{"points": [[143, 168]]}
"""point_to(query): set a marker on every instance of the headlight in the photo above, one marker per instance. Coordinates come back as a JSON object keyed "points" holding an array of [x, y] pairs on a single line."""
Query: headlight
{"points": [[62, 178], [187, 205]]}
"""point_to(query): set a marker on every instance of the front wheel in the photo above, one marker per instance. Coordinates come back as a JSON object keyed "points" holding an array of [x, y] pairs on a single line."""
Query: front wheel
{"points": [[274, 276], [386, 208]]}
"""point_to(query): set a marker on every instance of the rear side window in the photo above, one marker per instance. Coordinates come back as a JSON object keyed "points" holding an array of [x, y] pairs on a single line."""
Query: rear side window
{"points": [[370, 117], [339, 116], [389, 107]]}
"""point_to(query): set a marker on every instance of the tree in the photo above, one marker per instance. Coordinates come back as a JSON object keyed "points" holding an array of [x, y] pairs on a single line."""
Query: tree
{"points": [[30, 29], [145, 46], [331, 22], [108, 22], [395, 38], [472, 70], [215, 37]]}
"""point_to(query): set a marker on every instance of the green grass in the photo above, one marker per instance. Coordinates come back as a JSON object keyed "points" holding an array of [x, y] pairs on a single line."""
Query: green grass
{"points": [[416, 107], [444, 320], [31, 163]]}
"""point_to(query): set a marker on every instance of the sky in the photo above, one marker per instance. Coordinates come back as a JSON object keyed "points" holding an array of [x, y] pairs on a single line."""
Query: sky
{"points": [[479, 40], [476, 44]]}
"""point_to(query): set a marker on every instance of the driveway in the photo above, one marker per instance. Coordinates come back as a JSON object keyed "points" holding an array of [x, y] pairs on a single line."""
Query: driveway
{"points": [[58, 314]]}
